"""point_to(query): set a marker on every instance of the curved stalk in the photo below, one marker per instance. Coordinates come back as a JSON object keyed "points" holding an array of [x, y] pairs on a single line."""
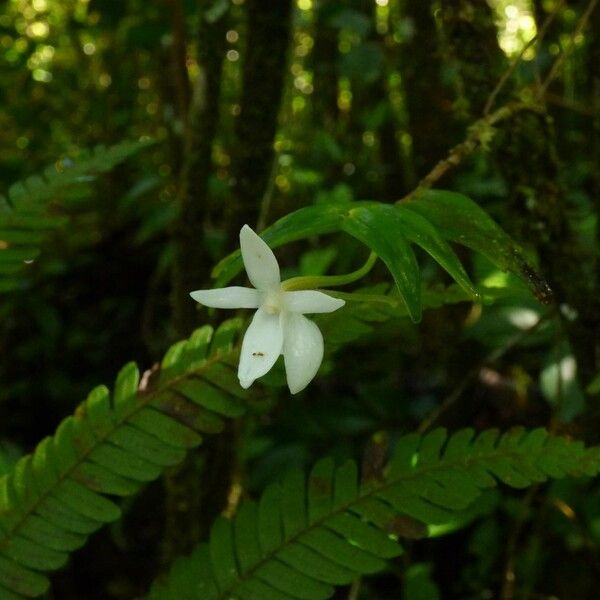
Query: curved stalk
{"points": [[310, 282]]}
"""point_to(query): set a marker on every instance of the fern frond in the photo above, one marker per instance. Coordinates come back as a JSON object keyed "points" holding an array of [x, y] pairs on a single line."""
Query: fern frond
{"points": [[306, 536], [26, 216], [54, 498]]}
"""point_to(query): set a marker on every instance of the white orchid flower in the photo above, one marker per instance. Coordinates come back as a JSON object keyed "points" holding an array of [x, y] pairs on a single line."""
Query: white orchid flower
{"points": [[279, 325]]}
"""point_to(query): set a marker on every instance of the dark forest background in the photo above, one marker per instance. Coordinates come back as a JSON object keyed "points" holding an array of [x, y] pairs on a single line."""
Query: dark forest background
{"points": [[254, 109]]}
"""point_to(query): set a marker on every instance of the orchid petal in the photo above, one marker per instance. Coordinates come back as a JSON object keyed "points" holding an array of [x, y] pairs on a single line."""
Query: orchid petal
{"points": [[261, 347], [311, 301], [229, 297], [302, 351], [259, 260]]}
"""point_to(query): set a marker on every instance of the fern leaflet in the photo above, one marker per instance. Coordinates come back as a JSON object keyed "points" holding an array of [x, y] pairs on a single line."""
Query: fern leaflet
{"points": [[26, 216], [54, 498], [304, 537]]}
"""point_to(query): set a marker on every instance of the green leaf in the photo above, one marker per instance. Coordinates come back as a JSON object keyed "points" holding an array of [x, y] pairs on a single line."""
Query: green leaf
{"points": [[348, 532], [420, 231], [310, 220], [54, 498], [379, 227], [427, 221], [419, 584], [461, 220], [27, 215]]}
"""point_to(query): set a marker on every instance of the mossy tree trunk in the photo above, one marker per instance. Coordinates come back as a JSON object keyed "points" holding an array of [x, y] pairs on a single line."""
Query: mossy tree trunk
{"points": [[191, 265], [471, 49], [186, 486], [427, 102], [263, 76]]}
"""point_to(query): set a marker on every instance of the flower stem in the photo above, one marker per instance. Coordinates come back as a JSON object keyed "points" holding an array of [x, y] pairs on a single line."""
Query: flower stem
{"points": [[310, 282]]}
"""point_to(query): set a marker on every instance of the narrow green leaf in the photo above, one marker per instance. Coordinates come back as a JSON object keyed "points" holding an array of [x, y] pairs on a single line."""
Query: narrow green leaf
{"points": [[163, 427], [363, 535], [222, 553], [225, 335], [86, 502], [245, 533], [146, 446], [320, 484], [405, 454], [20, 580], [431, 446], [34, 556], [293, 502], [97, 407], [341, 552], [406, 503], [310, 220], [100, 479], [458, 443], [14, 236], [345, 484], [290, 581], [126, 385], [314, 564], [124, 463], [461, 220], [270, 532], [7, 595], [63, 516], [210, 397], [379, 226], [50, 535], [421, 232], [192, 415], [255, 589]]}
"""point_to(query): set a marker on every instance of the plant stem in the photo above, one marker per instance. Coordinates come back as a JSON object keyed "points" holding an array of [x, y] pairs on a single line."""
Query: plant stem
{"points": [[310, 282]]}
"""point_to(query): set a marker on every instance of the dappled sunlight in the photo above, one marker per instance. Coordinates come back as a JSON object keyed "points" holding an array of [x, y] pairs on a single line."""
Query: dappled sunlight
{"points": [[516, 26]]}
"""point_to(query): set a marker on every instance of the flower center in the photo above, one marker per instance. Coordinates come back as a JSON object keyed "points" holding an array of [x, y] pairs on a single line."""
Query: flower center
{"points": [[273, 301]]}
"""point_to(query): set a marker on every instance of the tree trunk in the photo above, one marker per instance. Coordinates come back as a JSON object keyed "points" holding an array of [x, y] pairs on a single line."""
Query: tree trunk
{"points": [[264, 68], [470, 39], [191, 266], [427, 102]]}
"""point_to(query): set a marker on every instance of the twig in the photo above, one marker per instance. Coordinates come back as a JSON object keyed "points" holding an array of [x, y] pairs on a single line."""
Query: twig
{"points": [[537, 38], [480, 128], [509, 577], [474, 139], [472, 374], [570, 105], [561, 58], [354, 589]]}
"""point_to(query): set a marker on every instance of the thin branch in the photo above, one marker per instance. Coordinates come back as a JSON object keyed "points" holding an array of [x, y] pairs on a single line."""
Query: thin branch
{"points": [[478, 132], [561, 58], [354, 592], [570, 105], [472, 374], [512, 547]]}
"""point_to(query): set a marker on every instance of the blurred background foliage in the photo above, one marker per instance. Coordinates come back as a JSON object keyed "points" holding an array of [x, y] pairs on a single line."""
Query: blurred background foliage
{"points": [[256, 109]]}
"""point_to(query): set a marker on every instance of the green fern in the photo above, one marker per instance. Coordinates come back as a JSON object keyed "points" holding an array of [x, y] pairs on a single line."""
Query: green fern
{"points": [[26, 215], [54, 498], [303, 538]]}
